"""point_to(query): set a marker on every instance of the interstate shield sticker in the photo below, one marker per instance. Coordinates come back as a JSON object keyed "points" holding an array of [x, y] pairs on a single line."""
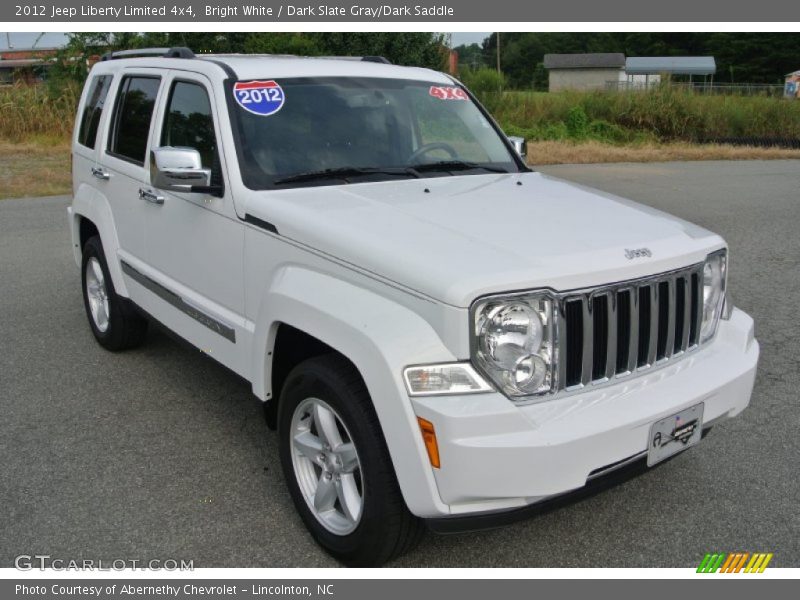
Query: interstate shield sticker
{"points": [[263, 98]]}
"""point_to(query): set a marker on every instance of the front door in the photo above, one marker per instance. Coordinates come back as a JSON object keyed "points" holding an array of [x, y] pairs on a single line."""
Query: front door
{"points": [[195, 240]]}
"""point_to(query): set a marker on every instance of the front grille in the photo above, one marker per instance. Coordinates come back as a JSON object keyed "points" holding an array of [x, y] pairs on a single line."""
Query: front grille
{"points": [[613, 331]]}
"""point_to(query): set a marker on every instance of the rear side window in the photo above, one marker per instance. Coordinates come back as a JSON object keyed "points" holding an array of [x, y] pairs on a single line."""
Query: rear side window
{"points": [[93, 110], [132, 116]]}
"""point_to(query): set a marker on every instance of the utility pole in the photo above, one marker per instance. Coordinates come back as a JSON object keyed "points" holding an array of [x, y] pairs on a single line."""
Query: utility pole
{"points": [[498, 52]]}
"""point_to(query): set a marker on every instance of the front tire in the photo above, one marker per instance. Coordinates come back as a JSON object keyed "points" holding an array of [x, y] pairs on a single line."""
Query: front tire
{"points": [[115, 323], [337, 466]]}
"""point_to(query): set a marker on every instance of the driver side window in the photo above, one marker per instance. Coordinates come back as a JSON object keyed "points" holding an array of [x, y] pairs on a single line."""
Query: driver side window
{"points": [[189, 122]]}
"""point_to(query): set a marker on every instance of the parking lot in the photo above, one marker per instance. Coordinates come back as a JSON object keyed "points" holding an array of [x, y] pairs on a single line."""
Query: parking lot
{"points": [[160, 453]]}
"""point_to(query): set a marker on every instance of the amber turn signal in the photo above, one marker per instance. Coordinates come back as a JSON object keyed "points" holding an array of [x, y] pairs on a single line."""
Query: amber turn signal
{"points": [[429, 437]]}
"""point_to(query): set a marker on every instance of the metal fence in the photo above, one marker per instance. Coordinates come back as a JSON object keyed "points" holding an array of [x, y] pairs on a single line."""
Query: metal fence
{"points": [[721, 89]]}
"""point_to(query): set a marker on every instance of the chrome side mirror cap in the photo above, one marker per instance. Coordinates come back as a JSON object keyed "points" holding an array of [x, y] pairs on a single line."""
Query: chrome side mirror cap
{"points": [[519, 145], [178, 169]]}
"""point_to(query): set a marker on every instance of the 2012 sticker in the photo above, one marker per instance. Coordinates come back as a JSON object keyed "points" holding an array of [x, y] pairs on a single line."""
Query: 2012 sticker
{"points": [[263, 98], [445, 92]]}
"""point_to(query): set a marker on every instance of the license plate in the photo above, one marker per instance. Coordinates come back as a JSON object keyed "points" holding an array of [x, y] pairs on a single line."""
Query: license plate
{"points": [[675, 434]]}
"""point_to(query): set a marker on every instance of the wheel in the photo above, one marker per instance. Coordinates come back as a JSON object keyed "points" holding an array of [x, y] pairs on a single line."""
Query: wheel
{"points": [[114, 321], [337, 466], [423, 150]]}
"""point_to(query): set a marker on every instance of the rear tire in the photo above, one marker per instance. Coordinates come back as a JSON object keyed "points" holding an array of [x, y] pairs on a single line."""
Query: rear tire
{"points": [[363, 520], [115, 322]]}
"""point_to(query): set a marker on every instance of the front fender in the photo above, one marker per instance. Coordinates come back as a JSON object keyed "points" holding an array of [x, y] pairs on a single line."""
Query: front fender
{"points": [[380, 337]]}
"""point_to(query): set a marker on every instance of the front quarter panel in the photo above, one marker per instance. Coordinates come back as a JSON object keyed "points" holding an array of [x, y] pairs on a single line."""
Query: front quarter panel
{"points": [[380, 337]]}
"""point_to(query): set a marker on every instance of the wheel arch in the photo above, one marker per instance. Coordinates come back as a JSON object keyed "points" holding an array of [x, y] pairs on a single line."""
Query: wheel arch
{"points": [[91, 215], [377, 336]]}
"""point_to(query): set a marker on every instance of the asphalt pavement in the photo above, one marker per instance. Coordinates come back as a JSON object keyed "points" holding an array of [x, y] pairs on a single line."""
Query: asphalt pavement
{"points": [[160, 453]]}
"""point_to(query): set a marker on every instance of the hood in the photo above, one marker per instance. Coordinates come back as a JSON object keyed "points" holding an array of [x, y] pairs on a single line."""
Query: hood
{"points": [[457, 238]]}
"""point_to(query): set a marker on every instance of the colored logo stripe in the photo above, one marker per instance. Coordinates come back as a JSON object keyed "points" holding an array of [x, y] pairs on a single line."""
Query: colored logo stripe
{"points": [[758, 563], [734, 562], [251, 85]]}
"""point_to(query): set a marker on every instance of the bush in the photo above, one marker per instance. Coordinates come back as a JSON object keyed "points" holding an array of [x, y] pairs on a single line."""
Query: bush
{"points": [[482, 81]]}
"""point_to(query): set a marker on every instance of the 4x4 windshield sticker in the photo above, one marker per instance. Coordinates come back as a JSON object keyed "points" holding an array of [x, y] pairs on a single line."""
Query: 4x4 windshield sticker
{"points": [[443, 92], [262, 98]]}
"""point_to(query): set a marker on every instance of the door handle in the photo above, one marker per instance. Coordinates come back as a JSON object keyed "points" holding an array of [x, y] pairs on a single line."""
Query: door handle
{"points": [[100, 174], [151, 197]]}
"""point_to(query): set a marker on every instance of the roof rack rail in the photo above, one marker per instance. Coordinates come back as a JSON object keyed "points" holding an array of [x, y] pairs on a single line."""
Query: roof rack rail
{"points": [[176, 52], [376, 59]]}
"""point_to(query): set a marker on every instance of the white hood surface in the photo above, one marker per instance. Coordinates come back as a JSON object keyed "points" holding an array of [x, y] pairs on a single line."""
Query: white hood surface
{"points": [[457, 238]]}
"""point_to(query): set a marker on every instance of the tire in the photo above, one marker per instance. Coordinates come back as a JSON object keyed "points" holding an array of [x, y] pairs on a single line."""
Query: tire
{"points": [[384, 528], [115, 322]]}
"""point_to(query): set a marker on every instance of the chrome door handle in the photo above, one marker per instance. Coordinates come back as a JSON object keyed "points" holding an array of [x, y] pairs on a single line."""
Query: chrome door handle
{"points": [[100, 174], [151, 197]]}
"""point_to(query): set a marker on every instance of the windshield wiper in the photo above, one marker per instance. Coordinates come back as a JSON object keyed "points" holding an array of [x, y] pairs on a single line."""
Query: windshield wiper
{"points": [[455, 165], [345, 172]]}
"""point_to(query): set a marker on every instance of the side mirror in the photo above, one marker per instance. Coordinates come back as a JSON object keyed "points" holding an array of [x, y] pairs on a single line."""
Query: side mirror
{"points": [[179, 169], [519, 145]]}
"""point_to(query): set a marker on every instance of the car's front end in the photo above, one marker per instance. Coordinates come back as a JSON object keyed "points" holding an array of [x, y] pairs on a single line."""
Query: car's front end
{"points": [[563, 387], [544, 333]]}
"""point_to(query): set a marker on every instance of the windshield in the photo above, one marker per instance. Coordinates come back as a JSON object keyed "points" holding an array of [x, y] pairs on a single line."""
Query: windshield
{"points": [[318, 131]]}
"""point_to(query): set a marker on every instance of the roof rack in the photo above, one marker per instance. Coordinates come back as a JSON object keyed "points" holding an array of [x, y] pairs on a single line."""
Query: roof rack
{"points": [[176, 52]]}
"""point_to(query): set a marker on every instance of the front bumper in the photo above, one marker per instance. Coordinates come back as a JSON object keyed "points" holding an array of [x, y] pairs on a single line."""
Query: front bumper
{"points": [[497, 456]]}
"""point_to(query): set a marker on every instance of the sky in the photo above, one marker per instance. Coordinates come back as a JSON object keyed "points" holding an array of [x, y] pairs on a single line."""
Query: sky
{"points": [[26, 40], [49, 40], [469, 37]]}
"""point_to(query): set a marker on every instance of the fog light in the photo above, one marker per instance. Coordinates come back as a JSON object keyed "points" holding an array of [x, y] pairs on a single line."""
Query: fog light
{"points": [[529, 373]]}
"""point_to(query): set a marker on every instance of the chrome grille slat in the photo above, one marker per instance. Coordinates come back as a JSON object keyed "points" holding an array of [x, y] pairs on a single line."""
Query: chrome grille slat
{"points": [[561, 377], [611, 344], [687, 311], [699, 314], [633, 346], [670, 345], [653, 339], [662, 331], [588, 341]]}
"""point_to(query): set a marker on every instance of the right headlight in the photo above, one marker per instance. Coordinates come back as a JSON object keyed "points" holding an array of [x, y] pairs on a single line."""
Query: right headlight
{"points": [[714, 276], [513, 343]]}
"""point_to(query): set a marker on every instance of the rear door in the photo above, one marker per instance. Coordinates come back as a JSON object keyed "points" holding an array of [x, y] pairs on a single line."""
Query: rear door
{"points": [[85, 170], [123, 162]]}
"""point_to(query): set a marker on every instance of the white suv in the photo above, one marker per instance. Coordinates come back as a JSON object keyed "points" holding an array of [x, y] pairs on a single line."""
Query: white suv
{"points": [[440, 335]]}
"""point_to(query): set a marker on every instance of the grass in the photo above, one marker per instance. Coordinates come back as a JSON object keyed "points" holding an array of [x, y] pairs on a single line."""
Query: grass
{"points": [[565, 127], [35, 111], [662, 115], [566, 152], [40, 167]]}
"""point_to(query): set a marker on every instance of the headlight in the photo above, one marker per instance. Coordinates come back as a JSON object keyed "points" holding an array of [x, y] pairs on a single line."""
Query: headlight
{"points": [[714, 275], [513, 343]]}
